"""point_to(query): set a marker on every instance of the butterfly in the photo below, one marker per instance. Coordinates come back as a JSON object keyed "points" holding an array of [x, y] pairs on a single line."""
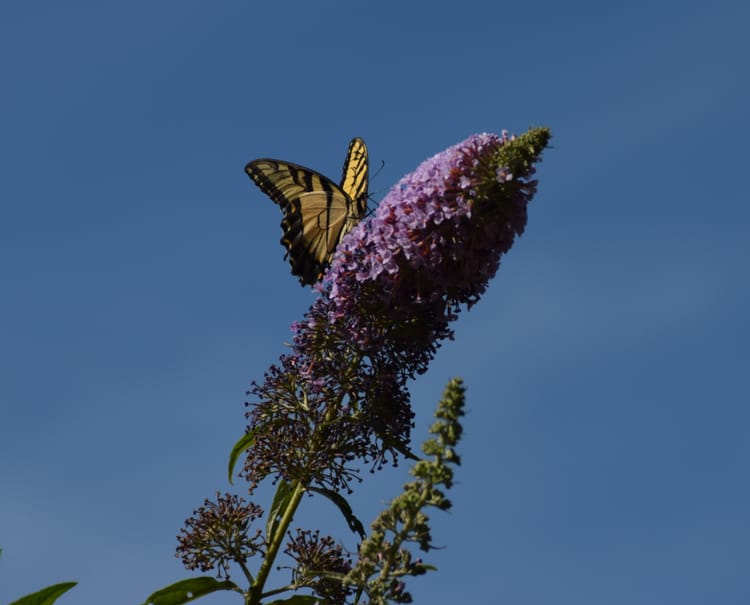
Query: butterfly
{"points": [[317, 212]]}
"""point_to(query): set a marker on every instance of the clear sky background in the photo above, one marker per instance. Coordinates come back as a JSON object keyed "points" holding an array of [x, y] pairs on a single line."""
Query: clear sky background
{"points": [[143, 286]]}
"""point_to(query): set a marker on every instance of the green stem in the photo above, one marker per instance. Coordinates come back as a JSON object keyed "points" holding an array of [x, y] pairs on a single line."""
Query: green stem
{"points": [[276, 591], [246, 571], [256, 591]]}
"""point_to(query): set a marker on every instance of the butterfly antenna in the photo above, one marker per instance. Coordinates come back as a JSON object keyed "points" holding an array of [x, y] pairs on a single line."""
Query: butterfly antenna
{"points": [[382, 165], [371, 196]]}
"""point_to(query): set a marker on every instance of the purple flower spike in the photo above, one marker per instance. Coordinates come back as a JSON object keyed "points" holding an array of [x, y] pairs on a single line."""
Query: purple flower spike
{"points": [[395, 283], [434, 242]]}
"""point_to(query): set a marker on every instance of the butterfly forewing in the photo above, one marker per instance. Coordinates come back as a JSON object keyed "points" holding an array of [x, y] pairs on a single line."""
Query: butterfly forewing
{"points": [[355, 175], [281, 181], [317, 212]]}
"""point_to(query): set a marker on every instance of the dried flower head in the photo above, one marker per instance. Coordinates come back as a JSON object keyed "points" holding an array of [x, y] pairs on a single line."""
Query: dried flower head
{"points": [[218, 534], [321, 565]]}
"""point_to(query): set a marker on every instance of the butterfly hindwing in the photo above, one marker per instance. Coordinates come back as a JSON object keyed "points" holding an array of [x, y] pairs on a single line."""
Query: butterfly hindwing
{"points": [[312, 230], [317, 212]]}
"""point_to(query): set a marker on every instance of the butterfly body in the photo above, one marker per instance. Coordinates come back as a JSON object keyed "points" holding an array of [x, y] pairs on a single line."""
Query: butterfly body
{"points": [[317, 211]]}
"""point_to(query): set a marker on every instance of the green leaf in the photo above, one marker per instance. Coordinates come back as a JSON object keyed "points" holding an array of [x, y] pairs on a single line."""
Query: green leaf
{"points": [[45, 596], [299, 599], [185, 591], [281, 500], [246, 442], [354, 524]]}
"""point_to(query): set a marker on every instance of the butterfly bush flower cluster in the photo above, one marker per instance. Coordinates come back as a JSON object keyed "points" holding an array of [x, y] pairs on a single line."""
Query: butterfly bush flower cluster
{"points": [[312, 553], [219, 534], [394, 285], [437, 237]]}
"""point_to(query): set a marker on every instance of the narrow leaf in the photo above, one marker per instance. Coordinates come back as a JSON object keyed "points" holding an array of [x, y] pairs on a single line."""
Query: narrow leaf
{"points": [[245, 442], [185, 591], [298, 600], [45, 596], [354, 524], [280, 501]]}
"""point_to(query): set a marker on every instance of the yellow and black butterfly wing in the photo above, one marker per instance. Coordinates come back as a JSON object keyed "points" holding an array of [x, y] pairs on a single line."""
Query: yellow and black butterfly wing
{"points": [[313, 228], [317, 212], [355, 177]]}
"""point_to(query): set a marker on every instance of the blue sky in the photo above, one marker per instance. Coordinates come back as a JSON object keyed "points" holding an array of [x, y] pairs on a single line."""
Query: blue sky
{"points": [[144, 287]]}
